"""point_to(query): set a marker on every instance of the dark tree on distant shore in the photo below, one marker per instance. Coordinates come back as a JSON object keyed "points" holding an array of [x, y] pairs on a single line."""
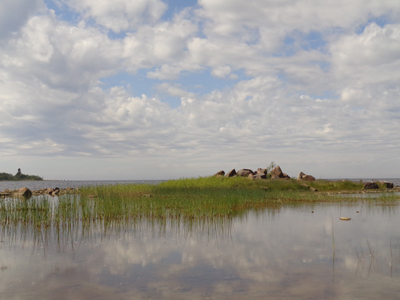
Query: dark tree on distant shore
{"points": [[19, 176]]}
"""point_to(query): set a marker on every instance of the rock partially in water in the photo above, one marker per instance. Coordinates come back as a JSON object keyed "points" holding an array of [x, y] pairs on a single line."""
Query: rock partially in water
{"points": [[24, 192], [27, 193]]}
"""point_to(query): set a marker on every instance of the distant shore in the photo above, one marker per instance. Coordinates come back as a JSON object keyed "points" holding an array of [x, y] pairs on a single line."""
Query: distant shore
{"points": [[19, 177]]}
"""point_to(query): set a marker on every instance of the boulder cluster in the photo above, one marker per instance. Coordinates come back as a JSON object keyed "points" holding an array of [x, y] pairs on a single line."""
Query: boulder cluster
{"points": [[26, 193], [261, 173], [375, 185]]}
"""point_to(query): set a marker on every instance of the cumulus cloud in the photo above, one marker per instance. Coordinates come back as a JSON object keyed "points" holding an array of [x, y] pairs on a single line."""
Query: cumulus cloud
{"points": [[120, 15], [163, 45], [14, 14], [59, 55], [284, 77], [233, 17], [174, 90], [370, 57]]}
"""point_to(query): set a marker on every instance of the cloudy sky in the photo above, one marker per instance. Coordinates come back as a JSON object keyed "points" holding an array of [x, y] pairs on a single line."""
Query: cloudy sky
{"points": [[163, 89]]}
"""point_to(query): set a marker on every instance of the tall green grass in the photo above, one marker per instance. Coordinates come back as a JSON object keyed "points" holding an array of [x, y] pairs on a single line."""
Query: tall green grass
{"points": [[204, 197], [183, 199], [205, 204]]}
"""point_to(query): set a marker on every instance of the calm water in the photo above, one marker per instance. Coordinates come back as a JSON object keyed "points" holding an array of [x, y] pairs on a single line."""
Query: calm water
{"points": [[62, 184], [285, 252]]}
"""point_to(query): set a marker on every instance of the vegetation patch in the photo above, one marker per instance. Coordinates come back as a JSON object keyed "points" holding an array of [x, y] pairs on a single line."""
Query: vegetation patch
{"points": [[18, 176], [204, 204]]}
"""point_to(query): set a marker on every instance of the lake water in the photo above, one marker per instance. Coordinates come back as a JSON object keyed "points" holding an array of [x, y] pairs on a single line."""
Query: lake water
{"points": [[283, 252], [62, 184]]}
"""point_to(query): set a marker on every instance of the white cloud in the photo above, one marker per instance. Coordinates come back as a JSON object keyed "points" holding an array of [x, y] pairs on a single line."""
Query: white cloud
{"points": [[174, 90], [289, 99], [59, 55], [120, 15], [163, 44], [14, 14], [221, 71], [232, 17], [370, 57]]}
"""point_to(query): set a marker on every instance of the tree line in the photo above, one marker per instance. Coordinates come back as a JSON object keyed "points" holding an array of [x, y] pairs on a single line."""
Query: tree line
{"points": [[19, 176]]}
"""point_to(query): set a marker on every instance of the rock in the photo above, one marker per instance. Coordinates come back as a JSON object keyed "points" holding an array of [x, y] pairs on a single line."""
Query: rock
{"points": [[371, 185], [231, 173], [387, 185], [220, 173], [278, 172], [273, 176], [260, 176], [251, 177], [300, 176], [308, 178], [244, 172], [24, 192], [262, 171], [303, 176], [313, 189]]}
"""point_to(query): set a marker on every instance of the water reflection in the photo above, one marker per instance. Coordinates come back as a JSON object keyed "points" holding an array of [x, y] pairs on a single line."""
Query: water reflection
{"points": [[281, 252]]}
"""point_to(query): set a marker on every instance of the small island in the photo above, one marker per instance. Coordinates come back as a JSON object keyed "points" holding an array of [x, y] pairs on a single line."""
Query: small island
{"points": [[18, 177]]}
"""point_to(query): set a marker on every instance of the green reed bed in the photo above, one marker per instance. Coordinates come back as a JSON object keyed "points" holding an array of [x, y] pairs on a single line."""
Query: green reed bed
{"points": [[205, 205], [200, 198], [204, 197]]}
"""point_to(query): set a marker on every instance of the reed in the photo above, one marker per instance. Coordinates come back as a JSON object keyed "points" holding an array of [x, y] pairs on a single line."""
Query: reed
{"points": [[205, 204], [204, 198]]}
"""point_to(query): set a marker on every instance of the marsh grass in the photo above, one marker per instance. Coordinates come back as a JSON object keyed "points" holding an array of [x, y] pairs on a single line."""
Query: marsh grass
{"points": [[201, 203], [202, 207], [183, 199]]}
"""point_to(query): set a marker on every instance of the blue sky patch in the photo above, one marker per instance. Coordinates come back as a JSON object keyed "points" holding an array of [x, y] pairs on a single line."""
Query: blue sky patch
{"points": [[175, 6], [381, 21], [63, 12]]}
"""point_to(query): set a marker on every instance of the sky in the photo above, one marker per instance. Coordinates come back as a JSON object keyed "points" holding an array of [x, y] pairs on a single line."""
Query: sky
{"points": [[164, 89]]}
